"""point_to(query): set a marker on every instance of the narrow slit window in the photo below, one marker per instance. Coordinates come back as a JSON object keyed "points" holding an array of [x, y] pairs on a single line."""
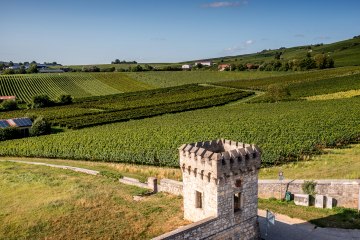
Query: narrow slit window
{"points": [[198, 199], [237, 202]]}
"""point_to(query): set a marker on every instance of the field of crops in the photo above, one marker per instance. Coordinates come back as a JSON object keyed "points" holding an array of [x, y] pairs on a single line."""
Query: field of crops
{"points": [[285, 131], [78, 85], [169, 79], [121, 107], [294, 78]]}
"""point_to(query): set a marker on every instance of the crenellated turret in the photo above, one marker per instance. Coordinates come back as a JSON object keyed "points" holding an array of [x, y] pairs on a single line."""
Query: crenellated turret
{"points": [[219, 159]]}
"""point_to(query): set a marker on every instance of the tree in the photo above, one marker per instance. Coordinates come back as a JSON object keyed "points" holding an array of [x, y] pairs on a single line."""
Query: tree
{"points": [[9, 71], [21, 70], [11, 63], [117, 61], [307, 63], [32, 69], [278, 55], [9, 105], [2, 66], [42, 101], [65, 99], [323, 61], [90, 69], [40, 127], [137, 68]]}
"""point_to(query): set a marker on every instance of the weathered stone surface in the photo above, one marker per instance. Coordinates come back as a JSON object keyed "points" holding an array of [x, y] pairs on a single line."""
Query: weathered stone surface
{"points": [[329, 202], [302, 199], [220, 193], [320, 201]]}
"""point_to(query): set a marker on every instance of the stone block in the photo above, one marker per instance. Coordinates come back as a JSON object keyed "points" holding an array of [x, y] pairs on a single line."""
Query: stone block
{"points": [[320, 201], [329, 202], [302, 199]]}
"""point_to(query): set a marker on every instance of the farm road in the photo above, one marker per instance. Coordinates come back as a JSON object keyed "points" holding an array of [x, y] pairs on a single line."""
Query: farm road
{"points": [[296, 229]]}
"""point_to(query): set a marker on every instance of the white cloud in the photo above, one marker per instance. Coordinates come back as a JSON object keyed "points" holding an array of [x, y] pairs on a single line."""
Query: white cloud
{"points": [[240, 47], [224, 4]]}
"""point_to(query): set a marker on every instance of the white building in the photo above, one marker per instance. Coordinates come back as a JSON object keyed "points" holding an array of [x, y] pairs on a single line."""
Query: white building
{"points": [[186, 67], [204, 63]]}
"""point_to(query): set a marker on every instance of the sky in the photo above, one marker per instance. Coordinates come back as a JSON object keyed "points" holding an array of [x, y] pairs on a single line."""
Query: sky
{"points": [[95, 32]]}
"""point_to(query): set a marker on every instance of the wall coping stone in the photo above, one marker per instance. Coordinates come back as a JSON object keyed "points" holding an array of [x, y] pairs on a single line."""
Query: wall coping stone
{"points": [[180, 230]]}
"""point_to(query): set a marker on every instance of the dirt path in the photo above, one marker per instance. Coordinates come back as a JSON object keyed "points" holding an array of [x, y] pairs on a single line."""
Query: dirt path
{"points": [[76, 169]]}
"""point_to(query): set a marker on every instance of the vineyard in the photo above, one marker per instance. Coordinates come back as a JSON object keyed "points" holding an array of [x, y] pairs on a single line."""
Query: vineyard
{"points": [[169, 79], [121, 107], [299, 78], [285, 131], [78, 85]]}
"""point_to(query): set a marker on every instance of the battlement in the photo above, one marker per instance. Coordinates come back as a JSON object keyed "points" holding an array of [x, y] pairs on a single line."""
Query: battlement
{"points": [[219, 159]]}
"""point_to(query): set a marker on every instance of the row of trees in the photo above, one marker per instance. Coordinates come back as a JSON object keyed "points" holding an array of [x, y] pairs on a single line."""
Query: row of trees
{"points": [[117, 61], [40, 101], [21, 70], [319, 61]]}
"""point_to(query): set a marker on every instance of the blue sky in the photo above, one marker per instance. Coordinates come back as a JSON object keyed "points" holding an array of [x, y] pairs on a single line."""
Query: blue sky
{"points": [[93, 32]]}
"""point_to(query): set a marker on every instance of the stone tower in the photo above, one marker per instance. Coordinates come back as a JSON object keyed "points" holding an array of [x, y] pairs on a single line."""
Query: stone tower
{"points": [[220, 179]]}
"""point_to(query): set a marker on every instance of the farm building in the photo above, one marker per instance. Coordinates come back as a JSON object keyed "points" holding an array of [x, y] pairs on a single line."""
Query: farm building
{"points": [[5, 98], [223, 67], [204, 63], [24, 124], [186, 67]]}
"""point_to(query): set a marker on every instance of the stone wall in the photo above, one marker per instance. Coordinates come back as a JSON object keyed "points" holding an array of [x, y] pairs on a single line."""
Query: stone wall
{"points": [[345, 192], [171, 186], [213, 228]]}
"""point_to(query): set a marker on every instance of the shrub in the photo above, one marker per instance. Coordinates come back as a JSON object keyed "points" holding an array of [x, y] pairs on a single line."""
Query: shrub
{"points": [[42, 101], [9, 105], [9, 133], [308, 187], [65, 99], [40, 127]]}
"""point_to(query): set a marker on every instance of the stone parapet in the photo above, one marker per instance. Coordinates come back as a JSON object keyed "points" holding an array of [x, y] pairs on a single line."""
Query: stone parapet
{"points": [[219, 159]]}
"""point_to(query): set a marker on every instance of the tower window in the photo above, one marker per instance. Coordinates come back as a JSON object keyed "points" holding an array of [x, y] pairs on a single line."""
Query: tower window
{"points": [[238, 202], [198, 199]]}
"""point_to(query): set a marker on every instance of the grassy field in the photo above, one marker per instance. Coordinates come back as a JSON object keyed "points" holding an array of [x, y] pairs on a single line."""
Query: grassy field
{"points": [[335, 218], [338, 163], [78, 85], [45, 203]]}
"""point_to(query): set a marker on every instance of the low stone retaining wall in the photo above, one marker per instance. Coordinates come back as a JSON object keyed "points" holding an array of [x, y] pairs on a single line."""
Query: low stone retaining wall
{"points": [[171, 186], [346, 193]]}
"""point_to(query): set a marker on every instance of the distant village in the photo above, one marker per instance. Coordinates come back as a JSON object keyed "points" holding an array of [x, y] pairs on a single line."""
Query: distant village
{"points": [[208, 63], [24, 67]]}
